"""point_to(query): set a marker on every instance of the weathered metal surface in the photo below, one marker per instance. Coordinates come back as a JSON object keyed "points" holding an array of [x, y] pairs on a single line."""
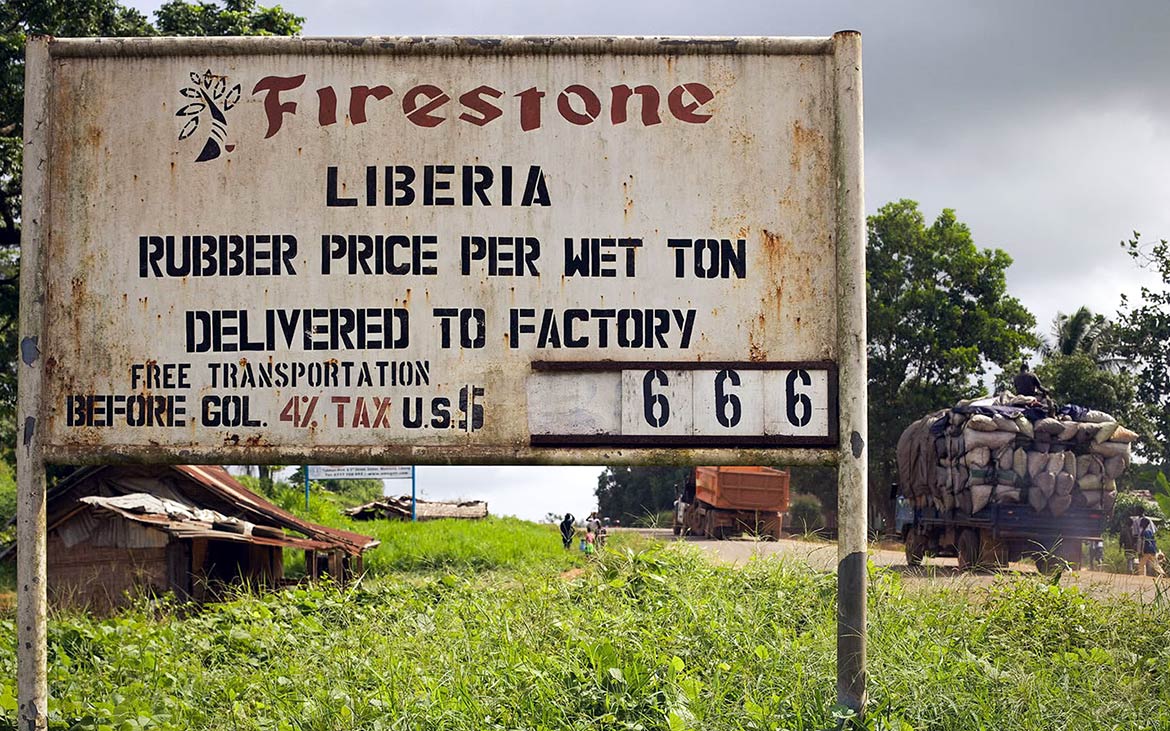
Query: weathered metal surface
{"points": [[31, 597], [852, 480], [356, 250], [133, 350]]}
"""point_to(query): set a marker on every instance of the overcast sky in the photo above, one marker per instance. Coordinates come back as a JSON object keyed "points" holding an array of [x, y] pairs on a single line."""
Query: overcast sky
{"points": [[1045, 125]]}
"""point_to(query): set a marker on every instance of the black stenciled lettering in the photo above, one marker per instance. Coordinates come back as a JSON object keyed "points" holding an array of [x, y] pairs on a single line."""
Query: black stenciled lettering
{"points": [[655, 406], [433, 185], [728, 409], [572, 340], [332, 199], [709, 258], [799, 406], [519, 323]]}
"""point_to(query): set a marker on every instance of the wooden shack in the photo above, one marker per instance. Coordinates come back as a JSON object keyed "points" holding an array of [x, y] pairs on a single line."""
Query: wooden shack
{"points": [[116, 532], [398, 508]]}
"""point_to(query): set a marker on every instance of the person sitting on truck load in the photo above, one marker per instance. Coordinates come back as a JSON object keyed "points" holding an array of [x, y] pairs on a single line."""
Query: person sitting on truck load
{"points": [[1148, 547], [1027, 383]]}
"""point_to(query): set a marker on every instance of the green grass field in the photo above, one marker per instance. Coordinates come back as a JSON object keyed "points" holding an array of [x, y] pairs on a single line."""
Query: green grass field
{"points": [[493, 626]]}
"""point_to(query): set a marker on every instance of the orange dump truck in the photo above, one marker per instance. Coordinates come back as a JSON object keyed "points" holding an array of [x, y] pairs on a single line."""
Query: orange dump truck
{"points": [[723, 501]]}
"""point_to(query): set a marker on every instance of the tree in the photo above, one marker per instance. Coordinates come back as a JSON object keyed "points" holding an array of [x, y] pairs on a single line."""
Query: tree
{"points": [[1077, 378], [20, 19], [235, 18], [629, 493], [1081, 332], [938, 316], [1143, 337]]}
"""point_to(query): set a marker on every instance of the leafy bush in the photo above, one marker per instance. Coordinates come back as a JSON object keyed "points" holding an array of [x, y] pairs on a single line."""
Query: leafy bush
{"points": [[805, 514], [7, 493], [1127, 505]]}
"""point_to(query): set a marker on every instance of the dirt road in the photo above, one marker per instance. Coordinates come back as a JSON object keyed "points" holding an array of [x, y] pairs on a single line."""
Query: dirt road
{"points": [[822, 555]]}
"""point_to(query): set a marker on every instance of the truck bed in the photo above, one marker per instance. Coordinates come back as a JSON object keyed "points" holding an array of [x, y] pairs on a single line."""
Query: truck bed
{"points": [[1020, 521], [743, 488]]}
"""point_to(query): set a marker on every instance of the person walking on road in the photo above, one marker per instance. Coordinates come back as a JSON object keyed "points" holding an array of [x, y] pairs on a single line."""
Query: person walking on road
{"points": [[567, 531], [1148, 547]]}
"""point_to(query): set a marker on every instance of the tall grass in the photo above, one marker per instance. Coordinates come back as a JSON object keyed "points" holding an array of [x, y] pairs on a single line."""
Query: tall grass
{"points": [[439, 545], [646, 636], [460, 545]]}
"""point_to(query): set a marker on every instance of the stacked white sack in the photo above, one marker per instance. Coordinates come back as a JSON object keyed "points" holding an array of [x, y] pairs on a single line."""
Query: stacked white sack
{"points": [[1052, 463]]}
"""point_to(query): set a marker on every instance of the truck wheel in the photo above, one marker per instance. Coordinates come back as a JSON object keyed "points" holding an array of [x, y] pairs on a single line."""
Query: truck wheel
{"points": [[968, 549]]}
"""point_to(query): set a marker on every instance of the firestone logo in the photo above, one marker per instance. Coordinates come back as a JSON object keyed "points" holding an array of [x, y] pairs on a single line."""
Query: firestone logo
{"points": [[212, 99], [427, 106]]}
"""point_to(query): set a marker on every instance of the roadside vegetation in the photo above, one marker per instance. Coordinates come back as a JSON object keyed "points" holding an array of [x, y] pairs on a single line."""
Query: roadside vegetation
{"points": [[453, 630]]}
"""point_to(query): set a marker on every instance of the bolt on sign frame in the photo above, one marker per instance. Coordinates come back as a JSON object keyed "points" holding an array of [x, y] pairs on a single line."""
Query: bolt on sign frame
{"points": [[443, 250]]}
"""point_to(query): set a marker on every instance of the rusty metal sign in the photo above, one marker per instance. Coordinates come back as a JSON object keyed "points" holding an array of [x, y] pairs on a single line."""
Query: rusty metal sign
{"points": [[440, 250]]}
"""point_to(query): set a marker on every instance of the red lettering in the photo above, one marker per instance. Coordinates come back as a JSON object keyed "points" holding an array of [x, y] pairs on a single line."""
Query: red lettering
{"points": [[687, 112], [275, 109], [423, 104], [358, 95], [592, 104], [474, 100], [619, 112], [422, 115], [326, 106], [530, 108]]}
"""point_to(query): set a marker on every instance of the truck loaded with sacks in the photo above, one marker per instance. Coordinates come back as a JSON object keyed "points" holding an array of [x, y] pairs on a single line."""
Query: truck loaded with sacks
{"points": [[998, 478]]}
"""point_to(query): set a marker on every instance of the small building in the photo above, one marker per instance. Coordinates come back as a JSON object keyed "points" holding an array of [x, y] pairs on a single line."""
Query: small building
{"points": [[120, 531], [398, 508]]}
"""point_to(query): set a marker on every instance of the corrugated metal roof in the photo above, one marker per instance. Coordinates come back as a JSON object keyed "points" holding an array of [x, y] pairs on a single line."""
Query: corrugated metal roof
{"points": [[391, 507], [191, 524], [218, 481]]}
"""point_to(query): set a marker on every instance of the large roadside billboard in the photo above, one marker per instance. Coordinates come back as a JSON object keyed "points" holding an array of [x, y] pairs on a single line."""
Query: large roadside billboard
{"points": [[452, 250], [449, 250]]}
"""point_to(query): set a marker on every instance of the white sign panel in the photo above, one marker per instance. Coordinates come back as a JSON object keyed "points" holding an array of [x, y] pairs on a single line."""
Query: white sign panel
{"points": [[369, 250], [356, 472]]}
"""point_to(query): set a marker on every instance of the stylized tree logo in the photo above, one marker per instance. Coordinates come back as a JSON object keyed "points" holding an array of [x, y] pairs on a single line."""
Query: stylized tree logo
{"points": [[212, 96]]}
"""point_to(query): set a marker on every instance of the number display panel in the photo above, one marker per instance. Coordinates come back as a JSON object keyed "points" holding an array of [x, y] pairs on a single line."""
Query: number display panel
{"points": [[683, 404]]}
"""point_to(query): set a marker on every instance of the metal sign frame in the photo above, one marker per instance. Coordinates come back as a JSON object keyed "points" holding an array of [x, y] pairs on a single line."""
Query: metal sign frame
{"points": [[847, 449]]}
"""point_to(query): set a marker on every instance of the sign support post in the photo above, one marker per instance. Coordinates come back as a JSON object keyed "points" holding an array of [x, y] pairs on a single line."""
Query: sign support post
{"points": [[413, 499], [306, 469], [852, 482], [31, 570]]}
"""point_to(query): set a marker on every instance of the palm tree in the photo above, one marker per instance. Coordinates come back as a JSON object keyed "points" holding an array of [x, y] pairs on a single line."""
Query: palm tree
{"points": [[1083, 332], [1080, 332]]}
